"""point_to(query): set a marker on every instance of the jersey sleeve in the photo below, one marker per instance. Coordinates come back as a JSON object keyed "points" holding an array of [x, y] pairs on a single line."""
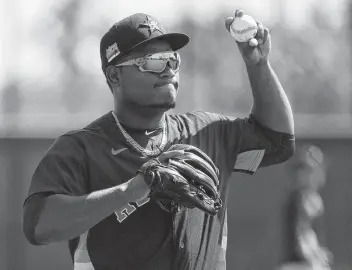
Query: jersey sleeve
{"points": [[251, 144], [62, 170], [261, 146], [245, 143]]}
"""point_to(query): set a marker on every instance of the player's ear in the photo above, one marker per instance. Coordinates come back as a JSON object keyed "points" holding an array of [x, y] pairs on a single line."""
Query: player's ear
{"points": [[113, 75]]}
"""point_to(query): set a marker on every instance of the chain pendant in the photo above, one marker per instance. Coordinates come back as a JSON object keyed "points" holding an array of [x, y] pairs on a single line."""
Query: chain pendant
{"points": [[136, 145]]}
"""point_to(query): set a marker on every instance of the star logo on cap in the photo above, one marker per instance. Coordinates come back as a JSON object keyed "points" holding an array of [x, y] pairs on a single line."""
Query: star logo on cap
{"points": [[151, 25]]}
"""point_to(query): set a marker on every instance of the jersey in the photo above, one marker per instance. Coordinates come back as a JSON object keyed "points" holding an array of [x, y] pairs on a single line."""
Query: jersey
{"points": [[142, 235]]}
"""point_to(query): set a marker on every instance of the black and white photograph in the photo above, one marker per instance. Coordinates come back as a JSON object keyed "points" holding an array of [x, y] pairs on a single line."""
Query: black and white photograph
{"points": [[176, 135]]}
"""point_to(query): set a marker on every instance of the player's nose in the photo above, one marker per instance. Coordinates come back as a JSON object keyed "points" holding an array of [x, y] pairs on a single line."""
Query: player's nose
{"points": [[168, 72]]}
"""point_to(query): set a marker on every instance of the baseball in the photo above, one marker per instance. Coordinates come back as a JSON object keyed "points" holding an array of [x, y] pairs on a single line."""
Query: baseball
{"points": [[243, 28]]}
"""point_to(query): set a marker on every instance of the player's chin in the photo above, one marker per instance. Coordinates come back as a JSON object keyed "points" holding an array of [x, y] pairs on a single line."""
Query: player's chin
{"points": [[165, 101], [166, 93]]}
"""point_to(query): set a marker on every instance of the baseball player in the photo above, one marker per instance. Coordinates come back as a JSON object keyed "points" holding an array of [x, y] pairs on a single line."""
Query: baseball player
{"points": [[89, 188], [304, 235]]}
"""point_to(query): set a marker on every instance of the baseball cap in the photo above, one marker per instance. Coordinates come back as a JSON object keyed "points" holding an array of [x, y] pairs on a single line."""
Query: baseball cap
{"points": [[133, 31]]}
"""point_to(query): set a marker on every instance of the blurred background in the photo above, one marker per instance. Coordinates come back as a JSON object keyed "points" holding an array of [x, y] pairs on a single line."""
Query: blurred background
{"points": [[51, 82]]}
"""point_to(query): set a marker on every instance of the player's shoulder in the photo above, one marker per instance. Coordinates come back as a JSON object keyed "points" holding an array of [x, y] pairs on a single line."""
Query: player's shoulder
{"points": [[80, 135]]}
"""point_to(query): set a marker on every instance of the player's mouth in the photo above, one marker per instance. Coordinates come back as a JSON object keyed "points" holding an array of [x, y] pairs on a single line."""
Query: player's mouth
{"points": [[161, 83]]}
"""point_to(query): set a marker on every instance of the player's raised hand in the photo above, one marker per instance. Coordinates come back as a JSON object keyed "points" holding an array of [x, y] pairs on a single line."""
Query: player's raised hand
{"points": [[254, 50]]}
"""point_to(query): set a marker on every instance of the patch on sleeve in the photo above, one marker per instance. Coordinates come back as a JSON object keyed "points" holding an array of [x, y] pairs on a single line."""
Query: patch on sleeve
{"points": [[249, 161]]}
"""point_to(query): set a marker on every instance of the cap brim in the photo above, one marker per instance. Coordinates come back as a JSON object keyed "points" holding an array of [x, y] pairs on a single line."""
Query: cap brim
{"points": [[176, 41]]}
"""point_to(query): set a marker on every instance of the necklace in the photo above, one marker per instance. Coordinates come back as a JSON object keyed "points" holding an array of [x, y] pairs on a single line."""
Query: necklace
{"points": [[136, 145]]}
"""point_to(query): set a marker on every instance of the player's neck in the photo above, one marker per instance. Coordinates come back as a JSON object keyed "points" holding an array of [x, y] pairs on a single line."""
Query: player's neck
{"points": [[141, 117]]}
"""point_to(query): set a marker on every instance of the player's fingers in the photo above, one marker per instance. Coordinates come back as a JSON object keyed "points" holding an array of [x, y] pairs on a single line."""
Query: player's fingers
{"points": [[228, 22], [239, 13], [171, 154], [253, 42], [260, 32], [266, 36], [168, 154], [247, 47]]}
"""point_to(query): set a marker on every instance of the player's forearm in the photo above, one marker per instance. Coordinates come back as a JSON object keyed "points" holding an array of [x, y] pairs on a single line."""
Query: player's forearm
{"points": [[66, 217], [271, 107]]}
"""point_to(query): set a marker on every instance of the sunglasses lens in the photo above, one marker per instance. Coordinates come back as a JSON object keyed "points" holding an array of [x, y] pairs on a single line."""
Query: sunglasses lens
{"points": [[155, 65], [157, 62]]}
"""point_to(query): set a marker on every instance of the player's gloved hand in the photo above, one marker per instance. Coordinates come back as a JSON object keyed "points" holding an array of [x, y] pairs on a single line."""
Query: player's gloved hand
{"points": [[188, 178], [253, 54]]}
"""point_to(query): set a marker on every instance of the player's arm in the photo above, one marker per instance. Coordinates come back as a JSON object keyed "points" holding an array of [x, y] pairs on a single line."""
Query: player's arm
{"points": [[59, 217], [274, 125], [60, 205], [267, 136], [275, 146], [248, 145], [271, 116], [271, 107]]}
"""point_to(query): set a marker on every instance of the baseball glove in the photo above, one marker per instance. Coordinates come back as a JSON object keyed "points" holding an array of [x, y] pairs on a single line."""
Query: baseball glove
{"points": [[189, 179]]}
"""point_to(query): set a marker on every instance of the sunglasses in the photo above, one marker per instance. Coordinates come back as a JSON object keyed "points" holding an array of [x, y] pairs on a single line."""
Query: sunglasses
{"points": [[156, 62]]}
